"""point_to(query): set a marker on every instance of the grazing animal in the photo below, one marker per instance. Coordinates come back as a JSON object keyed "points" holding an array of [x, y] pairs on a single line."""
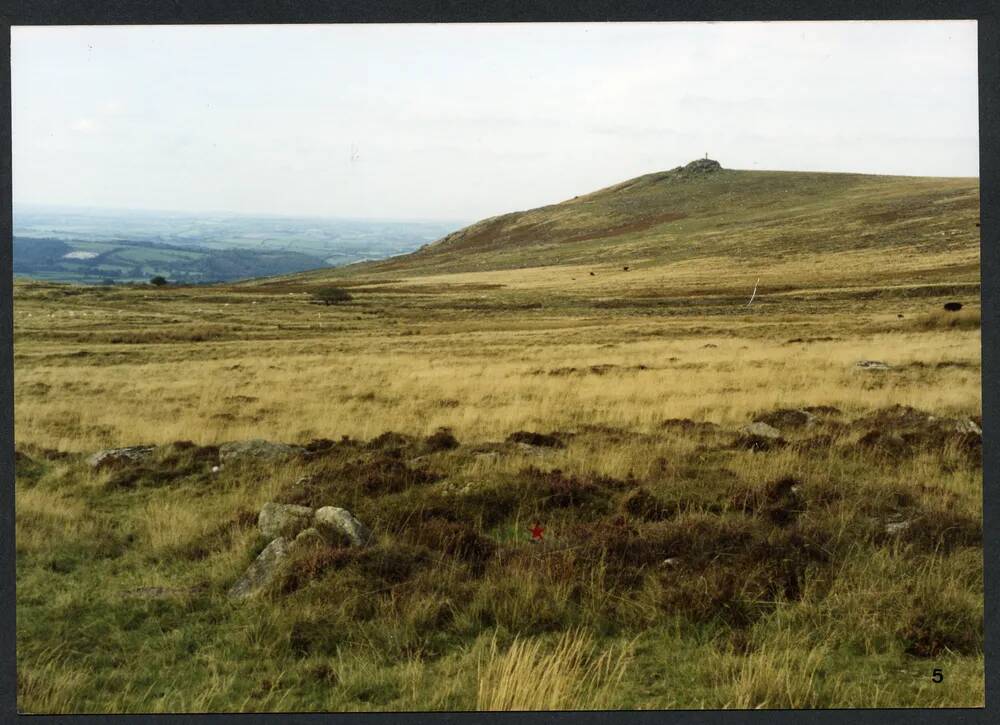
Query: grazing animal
{"points": [[591, 274], [899, 316], [625, 268], [953, 306]]}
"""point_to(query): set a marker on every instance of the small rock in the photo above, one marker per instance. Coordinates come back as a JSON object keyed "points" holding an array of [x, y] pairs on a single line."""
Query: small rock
{"points": [[263, 571], [216, 469], [337, 524], [458, 488], [760, 429], [278, 519], [895, 527], [536, 451], [113, 457], [968, 427], [872, 365], [257, 448]]}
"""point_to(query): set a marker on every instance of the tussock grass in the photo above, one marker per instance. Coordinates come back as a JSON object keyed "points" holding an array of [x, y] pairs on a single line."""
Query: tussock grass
{"points": [[570, 676], [170, 525], [780, 680], [47, 685]]}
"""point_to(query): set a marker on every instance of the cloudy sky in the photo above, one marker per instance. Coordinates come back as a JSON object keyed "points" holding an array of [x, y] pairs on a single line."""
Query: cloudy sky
{"points": [[466, 121]]}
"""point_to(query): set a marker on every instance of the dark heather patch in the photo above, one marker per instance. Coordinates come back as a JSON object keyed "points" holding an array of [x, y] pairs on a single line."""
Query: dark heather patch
{"points": [[640, 503], [554, 489], [535, 439], [390, 440], [441, 440], [783, 418], [933, 629], [456, 539], [822, 410], [687, 425]]}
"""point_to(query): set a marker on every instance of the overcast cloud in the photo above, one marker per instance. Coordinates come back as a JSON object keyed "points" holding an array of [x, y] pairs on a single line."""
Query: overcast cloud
{"points": [[467, 121]]}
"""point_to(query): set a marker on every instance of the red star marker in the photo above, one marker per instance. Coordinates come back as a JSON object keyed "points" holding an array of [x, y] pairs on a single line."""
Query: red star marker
{"points": [[536, 532]]}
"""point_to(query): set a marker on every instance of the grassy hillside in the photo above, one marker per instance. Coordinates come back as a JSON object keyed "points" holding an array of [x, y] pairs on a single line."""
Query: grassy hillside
{"points": [[703, 211], [684, 563]]}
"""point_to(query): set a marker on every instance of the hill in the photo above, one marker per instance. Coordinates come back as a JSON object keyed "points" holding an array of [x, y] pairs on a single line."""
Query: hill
{"points": [[704, 211]]}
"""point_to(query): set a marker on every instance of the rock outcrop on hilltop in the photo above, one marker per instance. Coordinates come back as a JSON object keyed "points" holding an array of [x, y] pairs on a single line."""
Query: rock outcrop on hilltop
{"points": [[699, 166]]}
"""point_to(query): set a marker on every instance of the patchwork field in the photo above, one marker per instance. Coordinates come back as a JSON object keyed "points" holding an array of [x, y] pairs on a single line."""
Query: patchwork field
{"points": [[585, 486]]}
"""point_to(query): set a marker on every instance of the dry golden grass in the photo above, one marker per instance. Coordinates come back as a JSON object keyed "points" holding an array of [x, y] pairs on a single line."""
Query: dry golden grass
{"points": [[484, 388], [48, 684], [834, 270], [44, 513], [784, 679], [527, 676], [172, 524]]}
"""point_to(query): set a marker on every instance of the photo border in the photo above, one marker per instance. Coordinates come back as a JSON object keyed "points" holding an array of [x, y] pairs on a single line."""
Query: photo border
{"points": [[138, 12]]}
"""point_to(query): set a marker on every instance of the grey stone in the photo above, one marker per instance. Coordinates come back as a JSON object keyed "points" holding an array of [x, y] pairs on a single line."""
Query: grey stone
{"points": [[697, 167], [968, 427], [262, 571], [111, 457], [459, 488], [278, 519], [896, 527], [760, 430], [254, 449], [337, 525]]}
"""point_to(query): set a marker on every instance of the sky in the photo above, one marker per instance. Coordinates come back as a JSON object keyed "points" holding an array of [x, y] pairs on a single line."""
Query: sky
{"points": [[468, 121]]}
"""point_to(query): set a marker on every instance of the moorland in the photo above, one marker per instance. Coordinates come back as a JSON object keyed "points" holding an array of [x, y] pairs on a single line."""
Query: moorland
{"points": [[707, 438]]}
